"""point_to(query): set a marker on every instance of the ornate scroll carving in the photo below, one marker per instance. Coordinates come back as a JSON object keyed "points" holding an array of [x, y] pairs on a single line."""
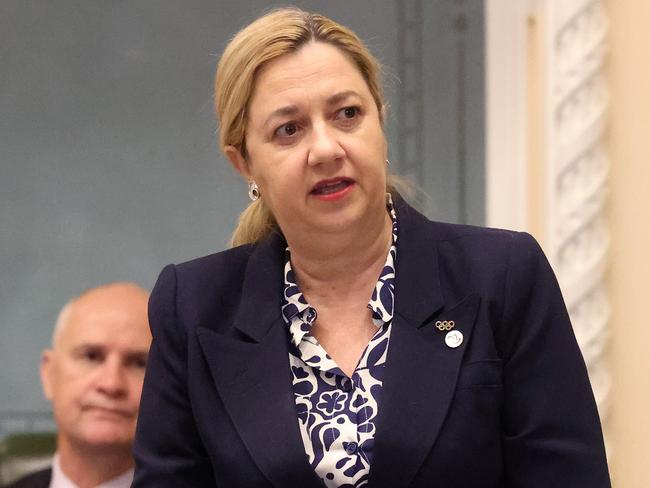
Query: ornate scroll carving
{"points": [[579, 237], [570, 38]]}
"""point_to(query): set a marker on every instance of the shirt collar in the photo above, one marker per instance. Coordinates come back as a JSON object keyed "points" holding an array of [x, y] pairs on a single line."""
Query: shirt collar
{"points": [[60, 480], [300, 316]]}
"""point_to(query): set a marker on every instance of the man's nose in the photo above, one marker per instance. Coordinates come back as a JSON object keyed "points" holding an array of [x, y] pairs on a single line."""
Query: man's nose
{"points": [[112, 379], [325, 144]]}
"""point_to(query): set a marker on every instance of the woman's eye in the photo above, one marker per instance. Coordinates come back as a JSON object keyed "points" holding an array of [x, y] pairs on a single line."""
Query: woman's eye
{"points": [[286, 130], [348, 116], [350, 112]]}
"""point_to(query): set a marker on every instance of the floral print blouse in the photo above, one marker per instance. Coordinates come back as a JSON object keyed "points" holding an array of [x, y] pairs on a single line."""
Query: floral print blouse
{"points": [[337, 413]]}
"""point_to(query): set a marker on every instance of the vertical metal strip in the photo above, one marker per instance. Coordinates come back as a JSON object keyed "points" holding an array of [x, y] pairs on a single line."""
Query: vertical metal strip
{"points": [[460, 28], [410, 116]]}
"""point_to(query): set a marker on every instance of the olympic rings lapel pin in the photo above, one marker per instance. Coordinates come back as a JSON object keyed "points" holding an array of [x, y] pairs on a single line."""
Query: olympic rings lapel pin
{"points": [[453, 338]]}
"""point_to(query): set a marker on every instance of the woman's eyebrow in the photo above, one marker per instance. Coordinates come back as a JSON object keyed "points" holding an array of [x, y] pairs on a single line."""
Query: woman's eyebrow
{"points": [[281, 112], [340, 96], [293, 109]]}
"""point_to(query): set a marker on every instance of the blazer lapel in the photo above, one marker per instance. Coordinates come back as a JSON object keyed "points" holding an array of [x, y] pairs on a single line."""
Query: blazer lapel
{"points": [[419, 385], [421, 369], [252, 373]]}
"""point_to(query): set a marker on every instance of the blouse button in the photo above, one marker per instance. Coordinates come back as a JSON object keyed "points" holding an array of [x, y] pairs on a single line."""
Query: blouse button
{"points": [[351, 448], [311, 315]]}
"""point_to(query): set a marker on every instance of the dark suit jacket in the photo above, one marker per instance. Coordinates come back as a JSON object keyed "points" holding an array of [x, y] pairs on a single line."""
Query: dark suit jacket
{"points": [[39, 479], [511, 407]]}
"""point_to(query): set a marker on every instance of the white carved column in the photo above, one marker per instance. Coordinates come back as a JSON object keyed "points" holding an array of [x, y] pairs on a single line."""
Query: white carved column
{"points": [[573, 35], [578, 236]]}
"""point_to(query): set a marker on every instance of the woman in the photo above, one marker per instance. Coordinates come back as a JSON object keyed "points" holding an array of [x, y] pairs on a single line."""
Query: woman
{"points": [[346, 340]]}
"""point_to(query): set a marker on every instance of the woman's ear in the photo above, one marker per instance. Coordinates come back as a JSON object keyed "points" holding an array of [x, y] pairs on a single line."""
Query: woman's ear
{"points": [[238, 162]]}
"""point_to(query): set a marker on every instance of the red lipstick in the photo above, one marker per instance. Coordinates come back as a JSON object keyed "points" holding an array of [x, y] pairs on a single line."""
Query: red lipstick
{"points": [[332, 188]]}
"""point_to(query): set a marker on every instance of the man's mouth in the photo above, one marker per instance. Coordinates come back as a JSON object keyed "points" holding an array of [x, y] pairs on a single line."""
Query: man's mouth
{"points": [[108, 411]]}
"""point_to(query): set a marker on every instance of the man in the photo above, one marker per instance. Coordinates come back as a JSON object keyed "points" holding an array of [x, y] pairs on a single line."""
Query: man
{"points": [[93, 376]]}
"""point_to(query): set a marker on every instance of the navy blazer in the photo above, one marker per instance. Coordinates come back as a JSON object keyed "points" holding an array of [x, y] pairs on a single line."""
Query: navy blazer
{"points": [[511, 407]]}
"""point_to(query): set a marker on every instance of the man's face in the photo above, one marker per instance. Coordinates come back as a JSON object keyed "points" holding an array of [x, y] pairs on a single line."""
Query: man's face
{"points": [[93, 375]]}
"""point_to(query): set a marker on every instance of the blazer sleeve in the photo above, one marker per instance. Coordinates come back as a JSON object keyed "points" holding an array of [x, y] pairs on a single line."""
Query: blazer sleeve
{"points": [[551, 430], [168, 450]]}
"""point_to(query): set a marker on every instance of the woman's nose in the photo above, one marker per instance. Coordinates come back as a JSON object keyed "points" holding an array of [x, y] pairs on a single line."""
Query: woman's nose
{"points": [[325, 145]]}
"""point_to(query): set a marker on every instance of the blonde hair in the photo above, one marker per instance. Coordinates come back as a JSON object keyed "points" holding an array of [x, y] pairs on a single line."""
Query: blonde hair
{"points": [[282, 31]]}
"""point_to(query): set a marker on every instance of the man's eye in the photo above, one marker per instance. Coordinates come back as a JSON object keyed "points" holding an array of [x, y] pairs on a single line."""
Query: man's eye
{"points": [[286, 130], [93, 356], [137, 362]]}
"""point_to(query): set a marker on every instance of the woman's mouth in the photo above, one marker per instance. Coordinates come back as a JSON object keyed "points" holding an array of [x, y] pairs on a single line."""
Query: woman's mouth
{"points": [[332, 189]]}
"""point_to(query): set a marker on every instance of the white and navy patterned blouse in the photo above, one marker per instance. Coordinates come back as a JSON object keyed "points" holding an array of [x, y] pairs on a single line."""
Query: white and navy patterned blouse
{"points": [[336, 413]]}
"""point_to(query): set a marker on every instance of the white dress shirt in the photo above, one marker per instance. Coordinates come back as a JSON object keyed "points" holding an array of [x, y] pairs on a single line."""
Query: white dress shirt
{"points": [[60, 480]]}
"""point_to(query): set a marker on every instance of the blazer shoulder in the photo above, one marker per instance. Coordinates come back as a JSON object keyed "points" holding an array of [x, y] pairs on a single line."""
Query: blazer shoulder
{"points": [[208, 289], [485, 260], [229, 260], [445, 231], [470, 257], [216, 274], [460, 237], [39, 479], [491, 245]]}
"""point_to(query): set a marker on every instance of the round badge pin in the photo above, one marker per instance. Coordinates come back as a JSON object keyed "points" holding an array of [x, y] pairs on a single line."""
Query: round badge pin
{"points": [[454, 338]]}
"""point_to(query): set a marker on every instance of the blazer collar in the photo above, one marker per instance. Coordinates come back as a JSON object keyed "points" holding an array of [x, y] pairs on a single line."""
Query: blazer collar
{"points": [[261, 296], [254, 383], [418, 388], [252, 374], [418, 294], [421, 370]]}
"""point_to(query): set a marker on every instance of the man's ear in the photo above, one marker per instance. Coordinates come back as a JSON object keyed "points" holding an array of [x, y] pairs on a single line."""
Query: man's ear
{"points": [[47, 372], [238, 162]]}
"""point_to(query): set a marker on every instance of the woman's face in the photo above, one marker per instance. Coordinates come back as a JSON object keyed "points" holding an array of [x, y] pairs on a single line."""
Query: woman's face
{"points": [[316, 146]]}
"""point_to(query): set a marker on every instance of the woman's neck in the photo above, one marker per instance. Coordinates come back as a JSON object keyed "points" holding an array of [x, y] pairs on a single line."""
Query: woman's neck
{"points": [[335, 265]]}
